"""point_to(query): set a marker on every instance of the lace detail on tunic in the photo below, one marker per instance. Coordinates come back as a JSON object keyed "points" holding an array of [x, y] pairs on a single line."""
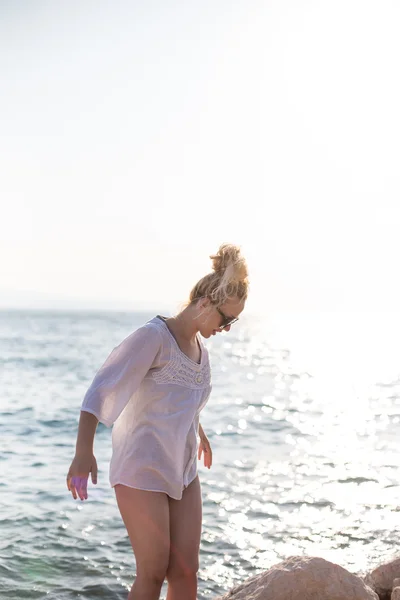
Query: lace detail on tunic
{"points": [[183, 372], [180, 369]]}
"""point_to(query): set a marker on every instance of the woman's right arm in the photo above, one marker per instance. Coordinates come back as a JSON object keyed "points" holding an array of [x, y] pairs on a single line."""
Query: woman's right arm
{"points": [[84, 461], [112, 388]]}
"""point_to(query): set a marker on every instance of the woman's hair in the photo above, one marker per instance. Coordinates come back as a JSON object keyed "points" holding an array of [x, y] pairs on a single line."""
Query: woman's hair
{"points": [[229, 277]]}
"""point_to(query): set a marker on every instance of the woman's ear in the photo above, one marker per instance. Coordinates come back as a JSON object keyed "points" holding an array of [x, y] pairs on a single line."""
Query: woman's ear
{"points": [[204, 302]]}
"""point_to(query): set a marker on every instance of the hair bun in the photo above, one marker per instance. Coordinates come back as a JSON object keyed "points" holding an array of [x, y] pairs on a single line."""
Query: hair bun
{"points": [[229, 278], [229, 263]]}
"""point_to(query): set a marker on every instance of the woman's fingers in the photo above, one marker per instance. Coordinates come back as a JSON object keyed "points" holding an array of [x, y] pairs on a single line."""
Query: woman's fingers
{"points": [[71, 487], [93, 472], [84, 495], [78, 486], [209, 456], [205, 447], [83, 488]]}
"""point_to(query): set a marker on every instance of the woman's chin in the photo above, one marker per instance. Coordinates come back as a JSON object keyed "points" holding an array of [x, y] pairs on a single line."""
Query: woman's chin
{"points": [[207, 334]]}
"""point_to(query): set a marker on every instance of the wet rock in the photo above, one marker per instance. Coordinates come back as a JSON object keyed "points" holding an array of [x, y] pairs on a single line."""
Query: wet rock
{"points": [[303, 578], [383, 577]]}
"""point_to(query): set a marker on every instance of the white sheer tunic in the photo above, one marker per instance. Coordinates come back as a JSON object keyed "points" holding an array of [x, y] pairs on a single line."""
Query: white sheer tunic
{"points": [[152, 394]]}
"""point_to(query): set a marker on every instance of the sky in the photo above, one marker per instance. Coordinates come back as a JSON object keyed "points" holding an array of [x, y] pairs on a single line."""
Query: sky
{"points": [[137, 137]]}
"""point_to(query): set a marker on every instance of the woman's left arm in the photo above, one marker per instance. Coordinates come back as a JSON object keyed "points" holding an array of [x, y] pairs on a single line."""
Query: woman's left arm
{"points": [[205, 447]]}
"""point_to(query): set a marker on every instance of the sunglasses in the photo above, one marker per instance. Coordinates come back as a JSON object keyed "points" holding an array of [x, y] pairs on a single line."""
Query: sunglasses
{"points": [[226, 320]]}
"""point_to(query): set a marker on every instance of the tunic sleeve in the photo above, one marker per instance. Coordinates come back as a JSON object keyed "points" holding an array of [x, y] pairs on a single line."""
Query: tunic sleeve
{"points": [[121, 375]]}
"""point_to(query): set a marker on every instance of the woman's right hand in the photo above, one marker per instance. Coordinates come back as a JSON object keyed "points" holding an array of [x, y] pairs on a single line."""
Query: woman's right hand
{"points": [[78, 474]]}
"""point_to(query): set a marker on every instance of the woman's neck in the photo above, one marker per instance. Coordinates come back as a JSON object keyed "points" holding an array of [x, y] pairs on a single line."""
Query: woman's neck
{"points": [[184, 324]]}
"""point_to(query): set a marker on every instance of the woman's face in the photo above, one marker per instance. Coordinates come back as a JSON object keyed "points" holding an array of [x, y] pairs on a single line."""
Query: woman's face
{"points": [[212, 318]]}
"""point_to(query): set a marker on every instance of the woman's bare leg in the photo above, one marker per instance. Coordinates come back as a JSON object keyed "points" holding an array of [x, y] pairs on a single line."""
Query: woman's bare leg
{"points": [[185, 531], [146, 518]]}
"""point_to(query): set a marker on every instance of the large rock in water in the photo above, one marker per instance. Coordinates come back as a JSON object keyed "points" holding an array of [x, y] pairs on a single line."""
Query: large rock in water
{"points": [[303, 578], [382, 578]]}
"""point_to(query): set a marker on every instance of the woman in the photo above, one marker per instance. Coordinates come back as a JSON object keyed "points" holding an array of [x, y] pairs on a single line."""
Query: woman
{"points": [[152, 388]]}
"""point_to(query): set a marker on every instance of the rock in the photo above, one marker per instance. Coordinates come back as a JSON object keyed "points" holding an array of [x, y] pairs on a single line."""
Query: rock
{"points": [[303, 578], [396, 582], [396, 593], [382, 578]]}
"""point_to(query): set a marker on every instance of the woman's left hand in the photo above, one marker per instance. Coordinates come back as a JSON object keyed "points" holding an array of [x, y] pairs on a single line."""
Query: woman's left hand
{"points": [[205, 447]]}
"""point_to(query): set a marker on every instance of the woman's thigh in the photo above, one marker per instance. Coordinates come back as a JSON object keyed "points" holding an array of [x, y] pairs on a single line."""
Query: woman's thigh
{"points": [[185, 518], [146, 518]]}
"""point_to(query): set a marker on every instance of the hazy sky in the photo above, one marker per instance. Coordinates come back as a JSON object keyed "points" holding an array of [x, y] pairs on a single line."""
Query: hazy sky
{"points": [[138, 136]]}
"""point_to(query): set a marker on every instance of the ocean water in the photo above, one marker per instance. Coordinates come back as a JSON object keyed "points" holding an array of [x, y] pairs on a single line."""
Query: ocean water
{"points": [[304, 425]]}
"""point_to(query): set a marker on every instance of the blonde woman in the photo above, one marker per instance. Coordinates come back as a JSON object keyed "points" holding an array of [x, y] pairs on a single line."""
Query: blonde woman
{"points": [[151, 389]]}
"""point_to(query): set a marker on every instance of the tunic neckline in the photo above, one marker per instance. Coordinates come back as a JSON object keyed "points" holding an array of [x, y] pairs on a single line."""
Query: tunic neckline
{"points": [[198, 364]]}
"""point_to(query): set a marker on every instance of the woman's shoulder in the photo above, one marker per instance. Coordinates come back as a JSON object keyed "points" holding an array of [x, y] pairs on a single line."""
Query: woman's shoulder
{"points": [[153, 330], [147, 332], [156, 324]]}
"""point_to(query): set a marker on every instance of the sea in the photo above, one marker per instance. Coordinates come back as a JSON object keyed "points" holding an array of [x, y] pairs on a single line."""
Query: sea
{"points": [[304, 424]]}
